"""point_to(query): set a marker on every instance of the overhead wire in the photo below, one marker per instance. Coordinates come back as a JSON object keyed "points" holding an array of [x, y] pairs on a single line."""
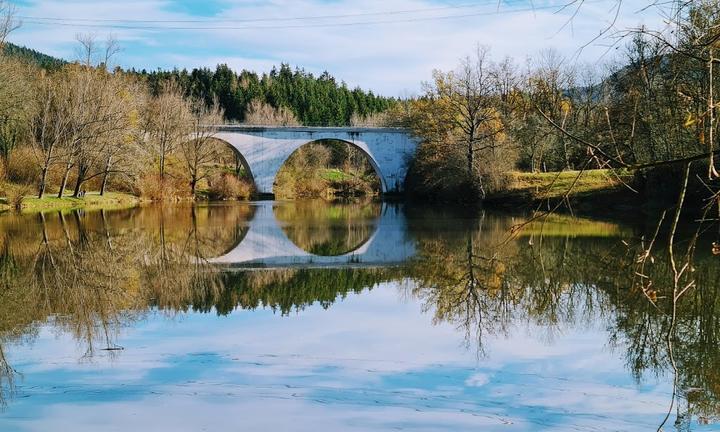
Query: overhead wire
{"points": [[268, 19], [113, 24]]}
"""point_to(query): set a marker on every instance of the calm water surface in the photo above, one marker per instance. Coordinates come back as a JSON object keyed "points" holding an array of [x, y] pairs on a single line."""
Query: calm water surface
{"points": [[346, 317]]}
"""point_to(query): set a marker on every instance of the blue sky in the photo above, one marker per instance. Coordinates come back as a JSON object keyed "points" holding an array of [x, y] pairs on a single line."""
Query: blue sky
{"points": [[386, 46]]}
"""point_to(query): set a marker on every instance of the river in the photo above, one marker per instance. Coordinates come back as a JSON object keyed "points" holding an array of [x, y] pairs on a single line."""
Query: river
{"points": [[357, 317]]}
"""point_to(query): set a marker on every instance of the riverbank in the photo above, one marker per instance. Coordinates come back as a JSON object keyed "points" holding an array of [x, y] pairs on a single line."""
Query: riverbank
{"points": [[591, 192], [588, 192], [92, 200]]}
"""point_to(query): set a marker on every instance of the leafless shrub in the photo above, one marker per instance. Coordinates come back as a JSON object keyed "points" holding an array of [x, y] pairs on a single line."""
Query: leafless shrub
{"points": [[228, 187], [262, 113], [156, 188], [15, 195]]}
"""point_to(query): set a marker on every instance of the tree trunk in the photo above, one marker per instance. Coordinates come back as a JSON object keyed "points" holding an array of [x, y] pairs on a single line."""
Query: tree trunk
{"points": [[43, 182], [82, 170], [103, 185], [64, 181], [106, 174], [46, 168], [162, 166], [193, 185], [470, 163]]}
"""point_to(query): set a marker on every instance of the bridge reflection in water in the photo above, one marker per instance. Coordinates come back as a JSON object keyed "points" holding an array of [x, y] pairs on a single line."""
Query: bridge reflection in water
{"points": [[267, 242]]}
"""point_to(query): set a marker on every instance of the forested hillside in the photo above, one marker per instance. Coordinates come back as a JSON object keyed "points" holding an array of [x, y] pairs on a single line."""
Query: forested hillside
{"points": [[35, 57], [311, 100], [314, 100]]}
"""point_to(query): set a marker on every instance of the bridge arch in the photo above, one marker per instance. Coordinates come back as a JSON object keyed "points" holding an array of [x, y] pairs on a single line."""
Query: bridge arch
{"points": [[363, 150], [239, 157]]}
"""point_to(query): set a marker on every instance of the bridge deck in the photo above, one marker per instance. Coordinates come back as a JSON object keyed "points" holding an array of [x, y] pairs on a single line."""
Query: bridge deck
{"points": [[308, 129]]}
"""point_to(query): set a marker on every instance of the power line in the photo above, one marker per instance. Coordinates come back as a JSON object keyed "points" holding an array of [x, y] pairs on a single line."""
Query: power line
{"points": [[296, 26], [300, 18]]}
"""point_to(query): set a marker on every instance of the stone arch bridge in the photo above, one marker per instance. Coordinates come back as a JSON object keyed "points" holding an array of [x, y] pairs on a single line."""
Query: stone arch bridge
{"points": [[264, 149]]}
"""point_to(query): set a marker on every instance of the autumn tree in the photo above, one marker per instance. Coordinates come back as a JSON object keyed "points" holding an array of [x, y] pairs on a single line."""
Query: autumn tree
{"points": [[15, 84], [17, 102], [462, 126], [49, 127]]}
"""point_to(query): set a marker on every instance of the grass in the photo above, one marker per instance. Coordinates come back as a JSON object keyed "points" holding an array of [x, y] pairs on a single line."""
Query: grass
{"points": [[92, 200], [556, 185], [334, 174]]}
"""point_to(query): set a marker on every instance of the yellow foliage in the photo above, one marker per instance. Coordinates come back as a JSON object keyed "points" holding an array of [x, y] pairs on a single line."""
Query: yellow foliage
{"points": [[565, 106]]}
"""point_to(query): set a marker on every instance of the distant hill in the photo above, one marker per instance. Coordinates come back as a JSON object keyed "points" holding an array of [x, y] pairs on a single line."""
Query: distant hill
{"points": [[42, 60], [315, 100]]}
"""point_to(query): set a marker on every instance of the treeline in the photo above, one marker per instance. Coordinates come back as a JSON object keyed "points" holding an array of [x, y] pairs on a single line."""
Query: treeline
{"points": [[645, 113], [313, 100], [35, 57]]}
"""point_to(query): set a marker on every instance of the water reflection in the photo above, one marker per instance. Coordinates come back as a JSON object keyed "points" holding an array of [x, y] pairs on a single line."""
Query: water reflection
{"points": [[577, 276], [93, 276], [324, 235], [328, 229]]}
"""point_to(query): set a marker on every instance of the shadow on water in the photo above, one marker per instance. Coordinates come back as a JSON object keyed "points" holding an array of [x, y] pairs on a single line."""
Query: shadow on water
{"points": [[91, 274]]}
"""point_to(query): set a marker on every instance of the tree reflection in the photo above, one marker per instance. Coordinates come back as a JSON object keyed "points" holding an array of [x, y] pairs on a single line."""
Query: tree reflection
{"points": [[328, 229], [90, 274], [462, 279], [484, 284]]}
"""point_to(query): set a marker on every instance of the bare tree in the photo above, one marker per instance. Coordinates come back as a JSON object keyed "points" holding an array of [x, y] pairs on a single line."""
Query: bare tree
{"points": [[110, 148], [202, 148], [8, 21], [49, 128], [462, 116], [17, 101], [15, 105], [261, 113], [167, 121], [122, 154], [88, 48]]}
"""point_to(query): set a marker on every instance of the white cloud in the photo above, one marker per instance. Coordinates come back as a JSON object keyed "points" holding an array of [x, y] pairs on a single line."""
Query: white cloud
{"points": [[387, 58], [477, 380]]}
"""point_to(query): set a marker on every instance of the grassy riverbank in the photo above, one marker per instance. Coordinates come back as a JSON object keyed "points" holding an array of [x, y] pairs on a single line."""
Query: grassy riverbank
{"points": [[593, 189], [92, 200], [553, 185], [586, 191]]}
